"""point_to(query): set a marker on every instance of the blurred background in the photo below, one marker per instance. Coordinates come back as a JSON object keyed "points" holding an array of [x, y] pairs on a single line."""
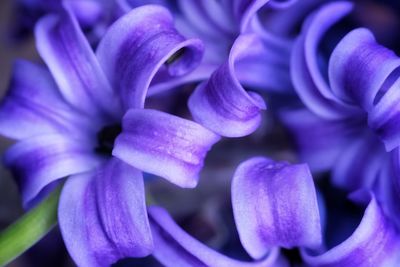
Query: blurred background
{"points": [[205, 211]]}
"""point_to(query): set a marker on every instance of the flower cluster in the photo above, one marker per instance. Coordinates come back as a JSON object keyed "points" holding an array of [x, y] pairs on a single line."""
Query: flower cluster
{"points": [[80, 120]]}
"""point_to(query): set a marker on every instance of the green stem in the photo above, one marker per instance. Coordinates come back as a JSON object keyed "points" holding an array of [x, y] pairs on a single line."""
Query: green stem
{"points": [[29, 229]]}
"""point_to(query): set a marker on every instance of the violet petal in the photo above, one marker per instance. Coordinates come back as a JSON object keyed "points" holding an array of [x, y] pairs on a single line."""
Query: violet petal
{"points": [[375, 243], [26, 111], [329, 137], [366, 73], [308, 80], [175, 247], [164, 145], [38, 161], [351, 171], [221, 103], [275, 204], [103, 216], [137, 45], [63, 46]]}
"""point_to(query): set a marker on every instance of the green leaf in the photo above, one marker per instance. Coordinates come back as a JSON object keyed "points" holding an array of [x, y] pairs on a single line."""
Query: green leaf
{"points": [[29, 229]]}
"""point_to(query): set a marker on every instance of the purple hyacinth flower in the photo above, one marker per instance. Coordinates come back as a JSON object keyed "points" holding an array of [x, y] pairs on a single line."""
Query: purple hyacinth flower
{"points": [[220, 23], [67, 117], [275, 205], [354, 111], [93, 15]]}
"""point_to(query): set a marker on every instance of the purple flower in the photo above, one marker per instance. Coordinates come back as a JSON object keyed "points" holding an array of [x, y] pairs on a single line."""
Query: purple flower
{"points": [[354, 112], [219, 25], [93, 15], [275, 205], [67, 117]]}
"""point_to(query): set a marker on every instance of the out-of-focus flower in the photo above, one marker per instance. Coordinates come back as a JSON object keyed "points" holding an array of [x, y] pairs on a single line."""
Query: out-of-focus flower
{"points": [[67, 120], [219, 23], [354, 112], [93, 15]]}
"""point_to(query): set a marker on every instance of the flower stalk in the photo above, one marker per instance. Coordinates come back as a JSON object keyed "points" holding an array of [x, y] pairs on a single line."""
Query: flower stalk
{"points": [[29, 229]]}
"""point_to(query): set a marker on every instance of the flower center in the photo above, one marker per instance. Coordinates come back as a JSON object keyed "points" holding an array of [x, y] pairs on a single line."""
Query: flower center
{"points": [[106, 137]]}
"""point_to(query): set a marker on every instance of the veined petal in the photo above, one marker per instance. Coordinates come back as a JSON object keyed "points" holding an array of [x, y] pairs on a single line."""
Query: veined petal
{"points": [[164, 145], [67, 53], [38, 161], [359, 68], [33, 106], [275, 204], [308, 80], [321, 146], [366, 73], [137, 45], [221, 104], [174, 247], [103, 217], [375, 243], [384, 117]]}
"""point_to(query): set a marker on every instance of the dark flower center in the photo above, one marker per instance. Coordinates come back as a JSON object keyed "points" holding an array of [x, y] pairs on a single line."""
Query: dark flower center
{"points": [[106, 137]]}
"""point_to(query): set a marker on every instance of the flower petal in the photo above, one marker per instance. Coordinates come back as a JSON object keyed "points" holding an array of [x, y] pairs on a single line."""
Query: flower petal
{"points": [[350, 171], [329, 137], [359, 66], [67, 53], [103, 217], [137, 45], [26, 111], [175, 247], [366, 73], [221, 104], [38, 161], [164, 145], [308, 80], [375, 243], [275, 204], [245, 10]]}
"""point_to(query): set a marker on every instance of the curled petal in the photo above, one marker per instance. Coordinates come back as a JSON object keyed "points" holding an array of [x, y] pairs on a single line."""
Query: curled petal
{"points": [[359, 67], [174, 247], [329, 137], [384, 117], [164, 145], [33, 106], [375, 243], [366, 73], [137, 45], [38, 161], [63, 46], [275, 204], [308, 80], [103, 216], [221, 104]]}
